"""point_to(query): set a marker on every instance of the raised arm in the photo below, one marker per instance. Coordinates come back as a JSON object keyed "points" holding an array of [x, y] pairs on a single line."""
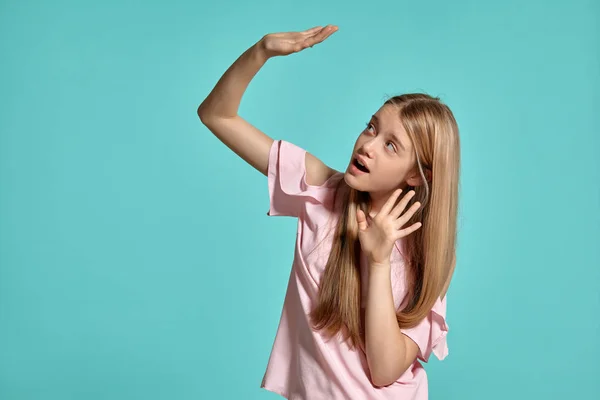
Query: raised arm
{"points": [[219, 111]]}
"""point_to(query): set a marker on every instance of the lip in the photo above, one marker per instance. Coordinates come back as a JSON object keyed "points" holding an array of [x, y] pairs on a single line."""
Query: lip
{"points": [[363, 161], [354, 169]]}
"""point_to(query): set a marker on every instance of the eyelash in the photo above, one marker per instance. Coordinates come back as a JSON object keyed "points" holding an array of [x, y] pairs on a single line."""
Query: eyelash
{"points": [[369, 124]]}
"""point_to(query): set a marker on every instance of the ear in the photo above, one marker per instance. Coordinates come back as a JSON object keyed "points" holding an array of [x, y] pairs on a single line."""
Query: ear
{"points": [[415, 178]]}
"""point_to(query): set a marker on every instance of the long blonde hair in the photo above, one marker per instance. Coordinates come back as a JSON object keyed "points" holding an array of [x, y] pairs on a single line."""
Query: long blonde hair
{"points": [[429, 253]]}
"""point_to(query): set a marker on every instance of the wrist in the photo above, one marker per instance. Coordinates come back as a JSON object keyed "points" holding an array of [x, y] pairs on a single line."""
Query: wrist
{"points": [[379, 265], [259, 49]]}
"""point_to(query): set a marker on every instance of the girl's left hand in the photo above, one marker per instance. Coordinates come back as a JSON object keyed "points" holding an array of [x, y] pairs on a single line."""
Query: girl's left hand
{"points": [[377, 238]]}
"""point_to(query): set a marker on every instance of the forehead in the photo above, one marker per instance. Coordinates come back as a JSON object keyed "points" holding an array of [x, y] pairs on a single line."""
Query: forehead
{"points": [[389, 122]]}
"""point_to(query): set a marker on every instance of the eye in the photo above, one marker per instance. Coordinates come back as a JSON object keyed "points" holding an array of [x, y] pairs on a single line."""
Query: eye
{"points": [[370, 128], [393, 148]]}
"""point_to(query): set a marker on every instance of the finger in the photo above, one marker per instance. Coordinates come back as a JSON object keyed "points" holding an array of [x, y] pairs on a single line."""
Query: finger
{"points": [[402, 204], [361, 219], [298, 36], [385, 210], [409, 230], [408, 215], [326, 32], [321, 35], [312, 30]]}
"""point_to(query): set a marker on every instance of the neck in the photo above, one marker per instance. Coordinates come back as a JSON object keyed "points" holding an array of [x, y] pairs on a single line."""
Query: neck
{"points": [[378, 199], [376, 205]]}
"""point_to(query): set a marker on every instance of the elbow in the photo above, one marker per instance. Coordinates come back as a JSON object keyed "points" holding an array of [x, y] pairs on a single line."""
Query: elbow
{"points": [[206, 113], [202, 113], [383, 372], [382, 380], [385, 377], [208, 116]]}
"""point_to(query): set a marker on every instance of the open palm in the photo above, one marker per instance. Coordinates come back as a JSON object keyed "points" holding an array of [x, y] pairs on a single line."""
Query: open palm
{"points": [[377, 236], [284, 43]]}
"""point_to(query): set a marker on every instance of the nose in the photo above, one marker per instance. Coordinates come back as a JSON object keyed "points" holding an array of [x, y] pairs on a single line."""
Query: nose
{"points": [[367, 148]]}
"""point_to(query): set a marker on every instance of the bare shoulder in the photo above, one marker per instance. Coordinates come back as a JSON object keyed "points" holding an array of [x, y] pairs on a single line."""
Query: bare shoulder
{"points": [[317, 172]]}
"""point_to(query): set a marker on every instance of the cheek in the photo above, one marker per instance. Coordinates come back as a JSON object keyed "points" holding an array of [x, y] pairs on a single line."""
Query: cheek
{"points": [[392, 174]]}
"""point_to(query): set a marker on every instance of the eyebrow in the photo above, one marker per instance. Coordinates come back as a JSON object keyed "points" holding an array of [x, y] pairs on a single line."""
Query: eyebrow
{"points": [[393, 133]]}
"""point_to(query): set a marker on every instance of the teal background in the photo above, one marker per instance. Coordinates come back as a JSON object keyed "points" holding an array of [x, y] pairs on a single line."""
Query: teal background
{"points": [[136, 257]]}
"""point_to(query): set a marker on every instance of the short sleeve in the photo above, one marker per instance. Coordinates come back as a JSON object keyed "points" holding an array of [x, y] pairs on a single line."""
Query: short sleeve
{"points": [[286, 174], [430, 333]]}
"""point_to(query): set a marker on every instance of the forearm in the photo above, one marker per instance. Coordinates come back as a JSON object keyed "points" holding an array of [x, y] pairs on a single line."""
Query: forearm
{"points": [[224, 100], [385, 344]]}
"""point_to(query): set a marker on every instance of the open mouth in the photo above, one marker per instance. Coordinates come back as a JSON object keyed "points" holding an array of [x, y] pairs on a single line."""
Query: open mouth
{"points": [[360, 167]]}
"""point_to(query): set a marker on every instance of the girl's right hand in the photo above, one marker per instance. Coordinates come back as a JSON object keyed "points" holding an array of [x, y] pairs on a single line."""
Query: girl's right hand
{"points": [[284, 43]]}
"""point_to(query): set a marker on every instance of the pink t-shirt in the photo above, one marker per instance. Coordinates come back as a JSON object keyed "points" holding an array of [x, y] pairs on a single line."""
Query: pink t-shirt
{"points": [[303, 364]]}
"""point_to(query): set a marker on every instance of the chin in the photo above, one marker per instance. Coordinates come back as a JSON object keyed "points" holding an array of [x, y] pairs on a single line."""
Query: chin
{"points": [[352, 181]]}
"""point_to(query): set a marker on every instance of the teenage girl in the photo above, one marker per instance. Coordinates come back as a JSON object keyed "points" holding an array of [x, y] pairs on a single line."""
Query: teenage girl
{"points": [[375, 249]]}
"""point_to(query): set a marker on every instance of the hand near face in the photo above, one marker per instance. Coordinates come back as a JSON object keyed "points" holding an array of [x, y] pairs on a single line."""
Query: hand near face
{"points": [[378, 236]]}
